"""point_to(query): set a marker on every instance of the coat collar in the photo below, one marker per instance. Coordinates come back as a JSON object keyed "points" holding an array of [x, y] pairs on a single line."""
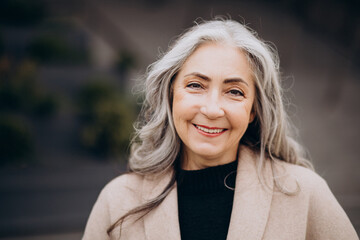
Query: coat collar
{"points": [[252, 200], [251, 206]]}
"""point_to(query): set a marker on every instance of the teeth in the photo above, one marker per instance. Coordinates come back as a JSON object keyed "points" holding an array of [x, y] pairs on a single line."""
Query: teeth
{"points": [[209, 130]]}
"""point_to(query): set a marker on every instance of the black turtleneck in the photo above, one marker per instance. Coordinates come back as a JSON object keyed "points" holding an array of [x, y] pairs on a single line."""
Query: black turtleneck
{"points": [[205, 203]]}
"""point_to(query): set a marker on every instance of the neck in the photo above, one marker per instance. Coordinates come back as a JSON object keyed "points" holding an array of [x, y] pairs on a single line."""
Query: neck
{"points": [[192, 161]]}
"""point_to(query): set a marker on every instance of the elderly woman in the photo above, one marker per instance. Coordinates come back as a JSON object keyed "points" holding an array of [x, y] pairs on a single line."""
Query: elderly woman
{"points": [[213, 157]]}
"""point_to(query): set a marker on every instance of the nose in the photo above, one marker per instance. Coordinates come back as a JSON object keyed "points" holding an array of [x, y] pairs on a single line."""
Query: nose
{"points": [[212, 107]]}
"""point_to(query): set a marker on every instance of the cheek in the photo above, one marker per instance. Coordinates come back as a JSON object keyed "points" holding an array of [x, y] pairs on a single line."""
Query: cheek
{"points": [[179, 109], [183, 104], [240, 116], [176, 106]]}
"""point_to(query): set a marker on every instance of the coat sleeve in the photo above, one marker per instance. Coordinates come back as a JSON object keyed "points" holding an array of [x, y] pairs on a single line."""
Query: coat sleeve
{"points": [[326, 218], [99, 219]]}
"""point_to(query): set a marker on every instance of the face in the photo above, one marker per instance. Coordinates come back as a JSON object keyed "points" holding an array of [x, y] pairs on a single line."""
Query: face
{"points": [[213, 95]]}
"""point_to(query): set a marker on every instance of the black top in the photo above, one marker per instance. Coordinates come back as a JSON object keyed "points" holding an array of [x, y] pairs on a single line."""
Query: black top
{"points": [[205, 203]]}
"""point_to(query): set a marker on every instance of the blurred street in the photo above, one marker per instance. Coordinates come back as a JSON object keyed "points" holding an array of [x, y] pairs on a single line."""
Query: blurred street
{"points": [[67, 236], [37, 201]]}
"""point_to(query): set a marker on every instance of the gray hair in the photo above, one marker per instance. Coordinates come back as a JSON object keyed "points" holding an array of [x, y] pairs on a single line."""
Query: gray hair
{"points": [[156, 145]]}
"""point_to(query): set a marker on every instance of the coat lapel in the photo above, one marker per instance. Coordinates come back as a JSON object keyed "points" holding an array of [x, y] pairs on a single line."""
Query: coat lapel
{"points": [[252, 201], [162, 222], [251, 207]]}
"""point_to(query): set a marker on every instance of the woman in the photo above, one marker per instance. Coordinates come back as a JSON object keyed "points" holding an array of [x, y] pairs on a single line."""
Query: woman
{"points": [[213, 157]]}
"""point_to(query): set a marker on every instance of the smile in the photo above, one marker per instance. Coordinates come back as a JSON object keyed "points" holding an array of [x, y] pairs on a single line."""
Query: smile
{"points": [[210, 130]]}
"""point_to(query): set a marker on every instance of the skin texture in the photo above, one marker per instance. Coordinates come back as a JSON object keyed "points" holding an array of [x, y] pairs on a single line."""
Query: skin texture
{"points": [[214, 89]]}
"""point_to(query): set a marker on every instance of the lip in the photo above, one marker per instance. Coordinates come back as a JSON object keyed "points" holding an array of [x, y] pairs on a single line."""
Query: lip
{"points": [[208, 127], [209, 134]]}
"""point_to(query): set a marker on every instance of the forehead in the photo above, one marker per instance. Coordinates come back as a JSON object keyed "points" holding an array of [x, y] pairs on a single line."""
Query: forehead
{"points": [[218, 60]]}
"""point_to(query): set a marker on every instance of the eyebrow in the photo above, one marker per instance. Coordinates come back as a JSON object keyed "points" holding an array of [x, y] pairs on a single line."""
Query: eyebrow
{"points": [[206, 78]]}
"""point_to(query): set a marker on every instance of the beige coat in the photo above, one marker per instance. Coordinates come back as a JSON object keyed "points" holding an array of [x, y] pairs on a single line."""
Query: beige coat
{"points": [[258, 213]]}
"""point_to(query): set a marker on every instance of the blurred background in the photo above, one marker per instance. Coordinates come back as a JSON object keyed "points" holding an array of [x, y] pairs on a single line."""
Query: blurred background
{"points": [[67, 74]]}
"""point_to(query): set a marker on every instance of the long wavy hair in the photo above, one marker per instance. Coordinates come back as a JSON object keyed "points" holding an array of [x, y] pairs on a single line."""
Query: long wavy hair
{"points": [[156, 145]]}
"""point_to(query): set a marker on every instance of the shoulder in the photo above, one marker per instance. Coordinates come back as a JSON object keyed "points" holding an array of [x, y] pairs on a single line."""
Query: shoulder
{"points": [[128, 184], [325, 217], [120, 195], [294, 175], [131, 189]]}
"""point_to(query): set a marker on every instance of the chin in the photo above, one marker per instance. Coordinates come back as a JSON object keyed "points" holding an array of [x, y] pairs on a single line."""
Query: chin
{"points": [[208, 153]]}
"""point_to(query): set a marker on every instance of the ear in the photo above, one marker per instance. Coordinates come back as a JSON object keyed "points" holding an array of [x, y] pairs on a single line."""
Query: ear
{"points": [[252, 116]]}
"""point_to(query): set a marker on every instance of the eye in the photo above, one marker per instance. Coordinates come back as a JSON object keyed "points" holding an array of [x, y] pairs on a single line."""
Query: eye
{"points": [[236, 92], [194, 85]]}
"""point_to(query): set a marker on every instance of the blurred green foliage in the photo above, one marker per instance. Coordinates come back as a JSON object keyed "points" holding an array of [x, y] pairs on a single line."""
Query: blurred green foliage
{"points": [[21, 99], [21, 12], [106, 117], [106, 114], [20, 92], [126, 60], [53, 48], [2, 47], [15, 140]]}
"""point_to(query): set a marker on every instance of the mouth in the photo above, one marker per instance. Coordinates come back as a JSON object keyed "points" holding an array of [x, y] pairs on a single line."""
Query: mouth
{"points": [[210, 130]]}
